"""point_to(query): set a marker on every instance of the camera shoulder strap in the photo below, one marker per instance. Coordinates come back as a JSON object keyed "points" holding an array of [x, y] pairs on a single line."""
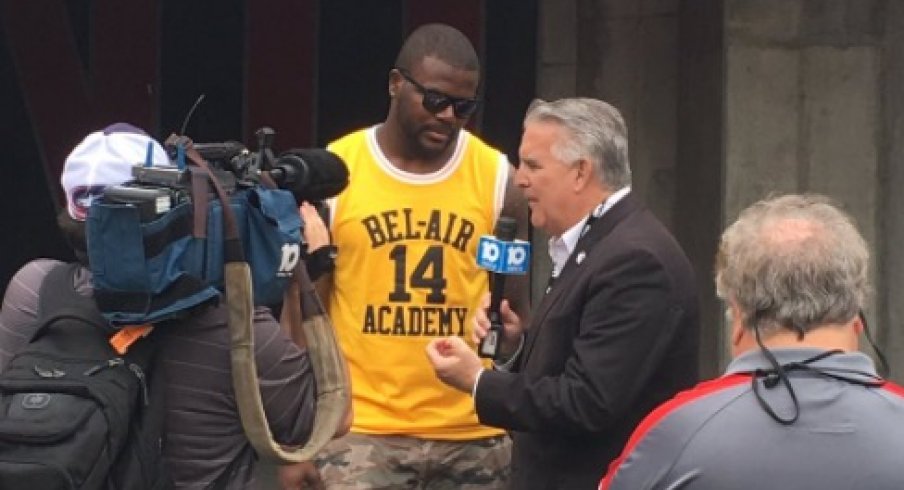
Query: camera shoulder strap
{"points": [[330, 371]]}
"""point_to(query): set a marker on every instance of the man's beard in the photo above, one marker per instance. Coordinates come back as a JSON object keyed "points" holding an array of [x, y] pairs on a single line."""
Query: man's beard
{"points": [[415, 134]]}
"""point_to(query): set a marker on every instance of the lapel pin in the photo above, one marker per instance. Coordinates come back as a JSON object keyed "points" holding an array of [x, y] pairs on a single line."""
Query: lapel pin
{"points": [[580, 258]]}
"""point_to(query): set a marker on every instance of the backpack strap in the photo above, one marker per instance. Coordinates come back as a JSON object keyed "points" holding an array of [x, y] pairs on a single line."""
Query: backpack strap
{"points": [[57, 299]]}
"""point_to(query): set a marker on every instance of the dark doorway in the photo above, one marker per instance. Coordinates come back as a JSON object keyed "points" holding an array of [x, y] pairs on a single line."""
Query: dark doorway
{"points": [[310, 69]]}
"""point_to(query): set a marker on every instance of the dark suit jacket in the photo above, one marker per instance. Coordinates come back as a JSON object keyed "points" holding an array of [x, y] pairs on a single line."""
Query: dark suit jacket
{"points": [[614, 337]]}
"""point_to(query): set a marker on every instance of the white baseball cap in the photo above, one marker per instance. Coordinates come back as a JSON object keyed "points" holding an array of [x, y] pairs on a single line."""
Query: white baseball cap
{"points": [[105, 158]]}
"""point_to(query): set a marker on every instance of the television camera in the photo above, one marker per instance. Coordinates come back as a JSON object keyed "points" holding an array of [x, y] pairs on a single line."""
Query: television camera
{"points": [[154, 190]]}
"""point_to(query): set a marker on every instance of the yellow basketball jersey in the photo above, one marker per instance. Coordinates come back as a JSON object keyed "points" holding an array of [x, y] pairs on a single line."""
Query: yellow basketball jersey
{"points": [[405, 274]]}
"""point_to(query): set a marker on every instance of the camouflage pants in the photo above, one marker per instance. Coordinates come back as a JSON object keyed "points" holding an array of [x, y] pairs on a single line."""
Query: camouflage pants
{"points": [[367, 462]]}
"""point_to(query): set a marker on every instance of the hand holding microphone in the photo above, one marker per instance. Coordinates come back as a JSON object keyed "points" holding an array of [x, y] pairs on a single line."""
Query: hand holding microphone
{"points": [[500, 255], [512, 329]]}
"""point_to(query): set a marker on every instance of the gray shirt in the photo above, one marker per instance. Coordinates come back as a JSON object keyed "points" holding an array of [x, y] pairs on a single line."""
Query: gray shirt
{"points": [[204, 435], [717, 435]]}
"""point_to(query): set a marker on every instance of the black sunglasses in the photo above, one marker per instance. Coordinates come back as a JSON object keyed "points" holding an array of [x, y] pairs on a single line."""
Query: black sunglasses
{"points": [[435, 101]]}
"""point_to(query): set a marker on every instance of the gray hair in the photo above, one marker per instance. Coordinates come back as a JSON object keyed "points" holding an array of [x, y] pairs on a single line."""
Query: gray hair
{"points": [[598, 133], [795, 262]]}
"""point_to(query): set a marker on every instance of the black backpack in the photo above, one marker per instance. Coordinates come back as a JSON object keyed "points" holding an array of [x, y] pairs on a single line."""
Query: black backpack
{"points": [[74, 414]]}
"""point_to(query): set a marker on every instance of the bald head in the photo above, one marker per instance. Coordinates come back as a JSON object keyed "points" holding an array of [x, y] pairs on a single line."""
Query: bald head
{"points": [[793, 262]]}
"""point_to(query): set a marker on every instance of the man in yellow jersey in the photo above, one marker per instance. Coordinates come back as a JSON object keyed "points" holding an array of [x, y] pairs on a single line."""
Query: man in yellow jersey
{"points": [[422, 191]]}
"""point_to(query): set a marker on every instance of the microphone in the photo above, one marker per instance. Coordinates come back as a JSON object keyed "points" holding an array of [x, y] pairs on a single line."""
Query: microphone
{"points": [[310, 174], [500, 255]]}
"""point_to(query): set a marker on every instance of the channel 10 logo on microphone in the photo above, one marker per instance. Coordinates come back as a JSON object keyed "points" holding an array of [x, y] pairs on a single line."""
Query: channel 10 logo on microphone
{"points": [[503, 257]]}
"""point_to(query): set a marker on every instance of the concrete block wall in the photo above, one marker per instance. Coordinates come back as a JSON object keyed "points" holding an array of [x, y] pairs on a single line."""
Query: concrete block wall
{"points": [[626, 54], [890, 210], [802, 114], [658, 62], [728, 101], [803, 104]]}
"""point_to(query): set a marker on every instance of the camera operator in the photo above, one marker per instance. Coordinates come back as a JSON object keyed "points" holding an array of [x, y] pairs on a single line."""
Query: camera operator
{"points": [[204, 444]]}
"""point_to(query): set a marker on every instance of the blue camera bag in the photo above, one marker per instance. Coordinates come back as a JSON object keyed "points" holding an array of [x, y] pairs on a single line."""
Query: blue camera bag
{"points": [[145, 272]]}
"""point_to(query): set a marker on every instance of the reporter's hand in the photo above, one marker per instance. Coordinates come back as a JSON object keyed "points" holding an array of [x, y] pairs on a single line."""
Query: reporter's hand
{"points": [[300, 476], [454, 363], [511, 325]]}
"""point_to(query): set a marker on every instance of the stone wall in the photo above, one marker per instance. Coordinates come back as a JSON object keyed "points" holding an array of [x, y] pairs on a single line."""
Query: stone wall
{"points": [[730, 101]]}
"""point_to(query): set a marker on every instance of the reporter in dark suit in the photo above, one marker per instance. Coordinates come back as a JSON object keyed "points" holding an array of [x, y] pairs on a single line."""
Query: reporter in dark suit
{"points": [[616, 332]]}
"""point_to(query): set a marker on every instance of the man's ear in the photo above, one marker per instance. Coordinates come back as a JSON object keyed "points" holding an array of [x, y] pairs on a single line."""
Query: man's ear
{"points": [[395, 81], [733, 312], [858, 325], [583, 173], [737, 334]]}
